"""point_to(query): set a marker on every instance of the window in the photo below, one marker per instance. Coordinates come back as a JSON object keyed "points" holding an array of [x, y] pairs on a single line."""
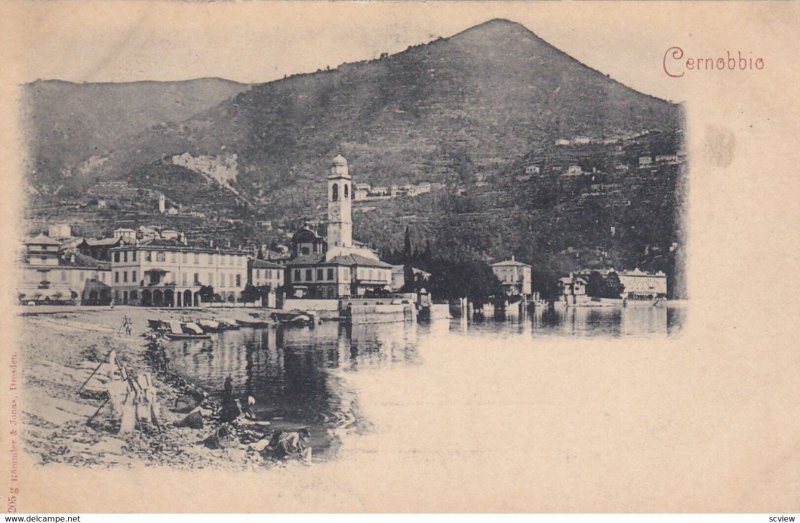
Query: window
{"points": [[161, 256], [335, 192], [148, 256], [309, 275], [238, 280], [196, 279], [116, 257], [346, 196], [134, 296], [319, 274], [183, 279], [297, 275], [133, 276], [258, 274], [304, 250], [125, 256], [133, 255], [116, 277]]}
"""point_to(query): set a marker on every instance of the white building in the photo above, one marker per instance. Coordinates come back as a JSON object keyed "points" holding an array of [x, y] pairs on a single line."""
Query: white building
{"points": [[47, 276], [168, 273], [515, 277], [643, 285]]}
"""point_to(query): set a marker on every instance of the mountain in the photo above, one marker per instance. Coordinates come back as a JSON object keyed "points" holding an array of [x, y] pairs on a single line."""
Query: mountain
{"points": [[68, 123], [469, 111]]}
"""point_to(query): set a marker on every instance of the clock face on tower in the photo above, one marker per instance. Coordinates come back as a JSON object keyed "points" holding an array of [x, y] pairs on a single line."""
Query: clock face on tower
{"points": [[334, 212]]}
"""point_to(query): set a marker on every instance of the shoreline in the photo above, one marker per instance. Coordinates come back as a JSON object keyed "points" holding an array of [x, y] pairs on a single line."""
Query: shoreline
{"points": [[61, 346]]}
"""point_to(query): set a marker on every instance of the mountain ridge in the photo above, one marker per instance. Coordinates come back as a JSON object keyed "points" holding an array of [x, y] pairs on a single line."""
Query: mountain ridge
{"points": [[463, 111]]}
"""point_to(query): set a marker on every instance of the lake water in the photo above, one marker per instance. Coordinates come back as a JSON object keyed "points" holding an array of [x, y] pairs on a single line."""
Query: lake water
{"points": [[295, 373]]}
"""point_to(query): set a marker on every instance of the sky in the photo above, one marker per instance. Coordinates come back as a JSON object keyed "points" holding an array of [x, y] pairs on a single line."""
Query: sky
{"points": [[249, 42]]}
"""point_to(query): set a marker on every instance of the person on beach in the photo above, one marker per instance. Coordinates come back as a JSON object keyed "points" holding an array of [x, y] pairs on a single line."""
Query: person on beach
{"points": [[247, 410], [230, 410]]}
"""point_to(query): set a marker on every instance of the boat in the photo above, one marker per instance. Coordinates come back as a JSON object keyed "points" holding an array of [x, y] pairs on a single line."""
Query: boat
{"points": [[177, 332], [298, 318], [226, 324], [158, 325], [254, 323], [209, 325], [191, 328]]}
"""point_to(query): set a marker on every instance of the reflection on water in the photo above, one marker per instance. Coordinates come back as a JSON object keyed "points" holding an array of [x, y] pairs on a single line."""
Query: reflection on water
{"points": [[288, 370], [294, 372]]}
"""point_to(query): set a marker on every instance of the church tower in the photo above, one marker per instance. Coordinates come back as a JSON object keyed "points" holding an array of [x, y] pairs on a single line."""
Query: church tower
{"points": [[340, 198]]}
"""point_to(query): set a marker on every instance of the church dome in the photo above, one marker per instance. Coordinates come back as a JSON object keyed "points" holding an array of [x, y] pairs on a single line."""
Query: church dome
{"points": [[340, 160]]}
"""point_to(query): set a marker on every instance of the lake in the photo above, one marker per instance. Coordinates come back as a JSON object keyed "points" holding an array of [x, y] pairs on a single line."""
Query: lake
{"points": [[296, 373]]}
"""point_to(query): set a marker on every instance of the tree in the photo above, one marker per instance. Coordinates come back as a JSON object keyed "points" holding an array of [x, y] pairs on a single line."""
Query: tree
{"points": [[250, 293], [407, 251], [545, 282], [614, 287], [409, 284], [473, 279], [595, 286]]}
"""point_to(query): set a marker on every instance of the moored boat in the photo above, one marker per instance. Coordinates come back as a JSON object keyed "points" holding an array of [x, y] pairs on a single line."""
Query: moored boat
{"points": [[209, 325], [177, 331], [254, 323]]}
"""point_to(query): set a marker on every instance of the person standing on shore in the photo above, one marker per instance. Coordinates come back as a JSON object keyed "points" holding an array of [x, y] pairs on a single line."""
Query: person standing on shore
{"points": [[230, 411]]}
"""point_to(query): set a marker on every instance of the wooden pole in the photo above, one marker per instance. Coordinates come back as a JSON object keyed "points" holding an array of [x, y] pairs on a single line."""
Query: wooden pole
{"points": [[95, 370]]}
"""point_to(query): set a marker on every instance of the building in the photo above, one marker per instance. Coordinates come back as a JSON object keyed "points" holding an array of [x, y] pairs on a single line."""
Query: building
{"points": [[335, 266], [399, 276], [515, 277], [638, 285], [573, 288], [268, 277], [362, 191], [99, 249], [127, 235], [264, 273], [666, 158], [47, 276], [645, 161], [643, 285], [532, 170], [168, 273], [162, 204]]}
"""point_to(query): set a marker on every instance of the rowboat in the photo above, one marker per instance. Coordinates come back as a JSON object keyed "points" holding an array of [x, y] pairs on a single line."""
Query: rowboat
{"points": [[254, 323], [192, 331]]}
